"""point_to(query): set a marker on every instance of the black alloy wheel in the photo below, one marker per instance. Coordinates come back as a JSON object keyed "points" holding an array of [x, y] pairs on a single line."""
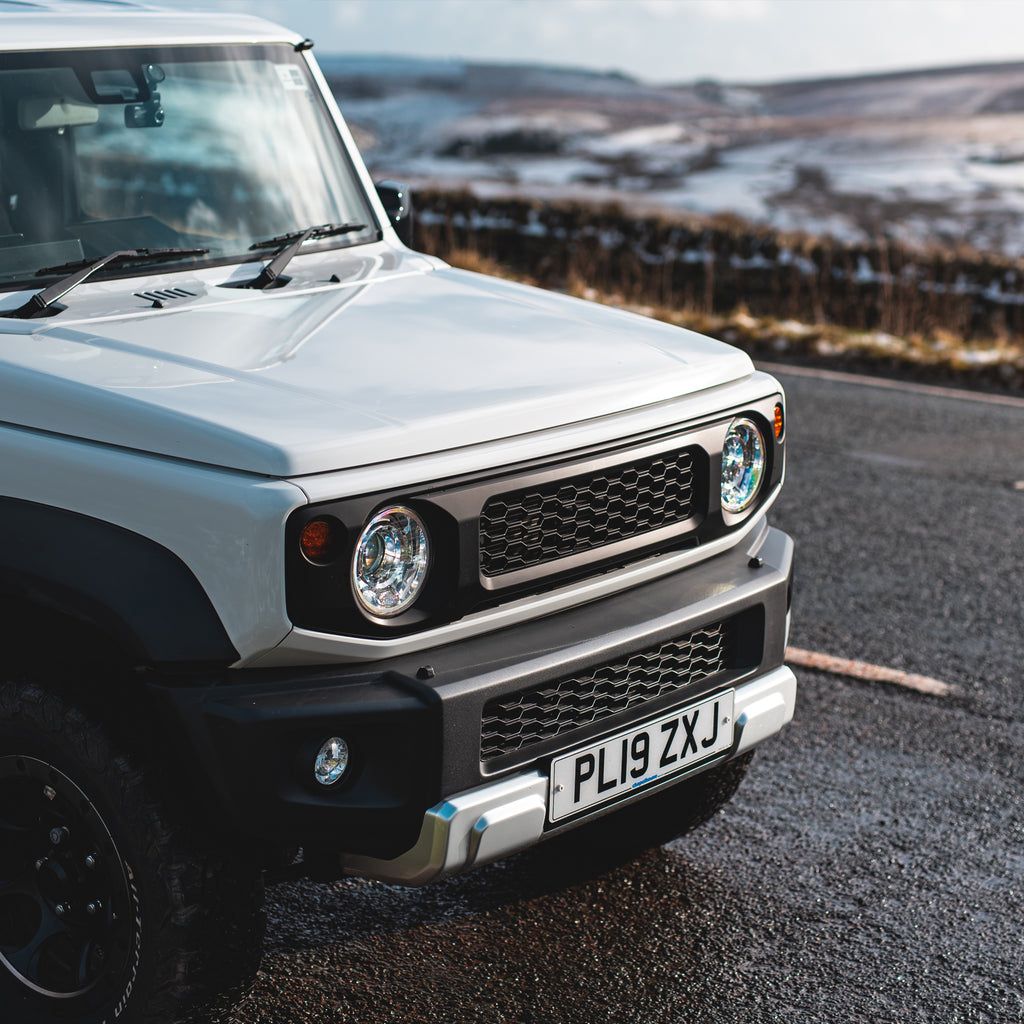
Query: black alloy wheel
{"points": [[68, 910], [112, 908]]}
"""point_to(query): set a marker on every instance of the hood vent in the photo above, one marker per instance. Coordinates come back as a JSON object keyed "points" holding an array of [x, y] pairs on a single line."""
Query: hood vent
{"points": [[160, 296]]}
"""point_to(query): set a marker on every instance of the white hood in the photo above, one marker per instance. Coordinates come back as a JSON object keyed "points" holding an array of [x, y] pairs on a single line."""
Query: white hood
{"points": [[394, 363]]}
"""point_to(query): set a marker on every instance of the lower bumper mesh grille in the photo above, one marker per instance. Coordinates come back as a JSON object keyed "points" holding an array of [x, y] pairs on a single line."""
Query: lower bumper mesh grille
{"points": [[522, 719]]}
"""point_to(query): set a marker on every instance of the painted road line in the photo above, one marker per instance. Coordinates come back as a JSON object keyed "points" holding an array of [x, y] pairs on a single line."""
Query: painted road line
{"points": [[870, 673], [893, 385]]}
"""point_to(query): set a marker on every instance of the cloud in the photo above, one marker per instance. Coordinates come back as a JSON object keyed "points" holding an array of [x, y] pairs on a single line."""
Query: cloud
{"points": [[663, 40], [671, 10], [346, 15], [717, 10]]}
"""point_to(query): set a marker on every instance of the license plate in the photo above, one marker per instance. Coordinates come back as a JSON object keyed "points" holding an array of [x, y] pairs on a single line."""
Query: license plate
{"points": [[640, 757]]}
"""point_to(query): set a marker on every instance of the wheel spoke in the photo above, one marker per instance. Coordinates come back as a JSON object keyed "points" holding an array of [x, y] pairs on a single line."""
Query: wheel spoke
{"points": [[58, 960], [11, 884], [19, 920], [21, 884], [86, 955], [16, 842], [28, 959], [11, 831]]}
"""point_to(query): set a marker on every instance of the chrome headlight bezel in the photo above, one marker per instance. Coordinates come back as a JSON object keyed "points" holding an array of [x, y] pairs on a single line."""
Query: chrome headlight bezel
{"points": [[744, 466], [390, 562]]}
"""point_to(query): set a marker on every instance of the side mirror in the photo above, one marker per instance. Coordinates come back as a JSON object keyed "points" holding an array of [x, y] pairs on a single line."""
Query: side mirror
{"points": [[397, 202]]}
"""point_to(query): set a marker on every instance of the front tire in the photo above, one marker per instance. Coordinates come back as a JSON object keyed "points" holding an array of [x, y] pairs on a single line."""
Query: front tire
{"points": [[109, 909]]}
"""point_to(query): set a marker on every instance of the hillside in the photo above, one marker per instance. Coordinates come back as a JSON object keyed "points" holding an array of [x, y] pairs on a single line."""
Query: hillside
{"points": [[923, 157]]}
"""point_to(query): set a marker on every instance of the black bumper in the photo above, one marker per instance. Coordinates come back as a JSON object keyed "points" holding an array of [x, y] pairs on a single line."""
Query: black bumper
{"points": [[248, 738]]}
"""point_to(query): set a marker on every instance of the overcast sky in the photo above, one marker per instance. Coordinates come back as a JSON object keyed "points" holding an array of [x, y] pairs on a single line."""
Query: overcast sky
{"points": [[664, 40]]}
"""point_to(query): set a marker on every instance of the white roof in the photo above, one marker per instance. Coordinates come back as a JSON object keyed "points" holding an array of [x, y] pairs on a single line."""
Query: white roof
{"points": [[85, 24]]}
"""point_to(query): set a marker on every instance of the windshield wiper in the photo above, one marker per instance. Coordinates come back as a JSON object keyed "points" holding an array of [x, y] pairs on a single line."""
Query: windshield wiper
{"points": [[270, 275], [46, 302]]}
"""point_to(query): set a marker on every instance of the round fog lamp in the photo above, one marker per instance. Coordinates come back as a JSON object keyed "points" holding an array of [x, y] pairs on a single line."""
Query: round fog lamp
{"points": [[331, 762], [743, 463], [390, 562]]}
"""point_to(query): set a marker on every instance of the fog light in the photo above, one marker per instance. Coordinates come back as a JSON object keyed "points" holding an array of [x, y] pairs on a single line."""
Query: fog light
{"points": [[332, 761]]}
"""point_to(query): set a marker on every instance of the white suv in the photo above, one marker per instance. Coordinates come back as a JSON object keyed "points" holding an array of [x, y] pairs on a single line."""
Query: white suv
{"points": [[311, 542]]}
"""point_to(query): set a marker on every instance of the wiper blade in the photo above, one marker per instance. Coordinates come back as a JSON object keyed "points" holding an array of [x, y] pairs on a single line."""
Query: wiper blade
{"points": [[46, 302], [270, 275], [323, 231]]}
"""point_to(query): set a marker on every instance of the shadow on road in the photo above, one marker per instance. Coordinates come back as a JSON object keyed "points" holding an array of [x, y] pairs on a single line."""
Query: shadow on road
{"points": [[518, 941]]}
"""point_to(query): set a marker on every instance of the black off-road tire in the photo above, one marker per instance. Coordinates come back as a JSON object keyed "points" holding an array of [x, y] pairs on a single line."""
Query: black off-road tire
{"points": [[633, 830], [110, 911]]}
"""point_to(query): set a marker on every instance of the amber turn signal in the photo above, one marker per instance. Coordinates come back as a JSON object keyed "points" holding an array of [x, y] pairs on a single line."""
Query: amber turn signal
{"points": [[779, 424], [318, 540]]}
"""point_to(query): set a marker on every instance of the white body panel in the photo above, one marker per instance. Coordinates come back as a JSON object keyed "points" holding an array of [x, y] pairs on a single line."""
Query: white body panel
{"points": [[397, 361], [82, 25], [226, 527]]}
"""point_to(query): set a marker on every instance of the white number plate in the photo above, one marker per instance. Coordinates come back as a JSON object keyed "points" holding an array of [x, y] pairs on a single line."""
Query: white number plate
{"points": [[640, 757]]}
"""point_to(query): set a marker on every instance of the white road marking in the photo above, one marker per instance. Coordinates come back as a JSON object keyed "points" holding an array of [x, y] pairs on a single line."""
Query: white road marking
{"points": [[893, 385], [870, 673]]}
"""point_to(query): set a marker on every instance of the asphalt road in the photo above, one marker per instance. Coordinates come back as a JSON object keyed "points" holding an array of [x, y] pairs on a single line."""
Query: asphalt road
{"points": [[871, 867]]}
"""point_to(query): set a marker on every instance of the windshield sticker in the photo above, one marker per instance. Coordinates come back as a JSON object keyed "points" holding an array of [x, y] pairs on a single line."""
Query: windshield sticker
{"points": [[291, 77]]}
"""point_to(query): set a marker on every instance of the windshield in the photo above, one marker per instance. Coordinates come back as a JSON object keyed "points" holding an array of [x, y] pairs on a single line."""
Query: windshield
{"points": [[213, 148]]}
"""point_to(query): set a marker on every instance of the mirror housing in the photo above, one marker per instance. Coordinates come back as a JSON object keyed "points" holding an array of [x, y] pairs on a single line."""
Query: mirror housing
{"points": [[397, 202]]}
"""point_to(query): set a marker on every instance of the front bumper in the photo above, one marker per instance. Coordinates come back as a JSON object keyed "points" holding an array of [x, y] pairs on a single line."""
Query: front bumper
{"points": [[502, 818], [420, 799]]}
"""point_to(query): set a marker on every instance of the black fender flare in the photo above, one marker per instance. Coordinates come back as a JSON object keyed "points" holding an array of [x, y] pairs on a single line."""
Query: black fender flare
{"points": [[141, 595]]}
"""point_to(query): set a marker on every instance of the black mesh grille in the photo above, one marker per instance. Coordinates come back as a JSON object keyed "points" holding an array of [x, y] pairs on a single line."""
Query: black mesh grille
{"points": [[525, 528], [530, 716]]}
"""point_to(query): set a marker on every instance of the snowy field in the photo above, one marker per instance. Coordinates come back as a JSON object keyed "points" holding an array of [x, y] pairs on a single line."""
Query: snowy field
{"points": [[923, 157]]}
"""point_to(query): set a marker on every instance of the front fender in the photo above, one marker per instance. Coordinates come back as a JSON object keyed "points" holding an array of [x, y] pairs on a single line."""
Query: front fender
{"points": [[138, 593]]}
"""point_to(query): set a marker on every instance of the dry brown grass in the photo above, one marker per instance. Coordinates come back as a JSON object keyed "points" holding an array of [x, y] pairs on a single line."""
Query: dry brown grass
{"points": [[472, 259], [723, 264]]}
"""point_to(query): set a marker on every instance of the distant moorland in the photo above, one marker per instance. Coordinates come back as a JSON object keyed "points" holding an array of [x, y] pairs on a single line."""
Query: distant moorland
{"points": [[877, 220]]}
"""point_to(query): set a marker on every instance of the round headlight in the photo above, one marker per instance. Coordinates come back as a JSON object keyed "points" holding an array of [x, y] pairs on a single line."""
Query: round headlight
{"points": [[743, 462], [390, 562]]}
